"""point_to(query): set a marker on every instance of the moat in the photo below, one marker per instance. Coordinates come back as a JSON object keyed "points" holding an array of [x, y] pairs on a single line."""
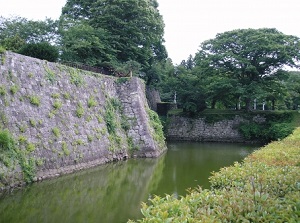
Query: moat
{"points": [[113, 193]]}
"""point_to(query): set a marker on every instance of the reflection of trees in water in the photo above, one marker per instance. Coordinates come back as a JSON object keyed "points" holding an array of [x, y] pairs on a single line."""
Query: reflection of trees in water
{"points": [[109, 193]]}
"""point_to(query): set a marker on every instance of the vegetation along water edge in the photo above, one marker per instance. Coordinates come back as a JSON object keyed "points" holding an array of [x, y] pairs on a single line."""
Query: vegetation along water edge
{"points": [[264, 187]]}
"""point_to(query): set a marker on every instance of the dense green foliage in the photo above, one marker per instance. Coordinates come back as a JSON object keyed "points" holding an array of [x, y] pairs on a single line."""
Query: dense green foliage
{"points": [[43, 51], [277, 125], [236, 68], [263, 188], [106, 33], [15, 32], [252, 58]]}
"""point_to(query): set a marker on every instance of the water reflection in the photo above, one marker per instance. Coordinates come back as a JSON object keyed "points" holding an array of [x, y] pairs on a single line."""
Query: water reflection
{"points": [[114, 192]]}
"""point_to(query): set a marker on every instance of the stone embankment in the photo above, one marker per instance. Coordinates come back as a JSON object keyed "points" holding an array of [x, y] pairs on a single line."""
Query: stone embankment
{"points": [[65, 119], [198, 129]]}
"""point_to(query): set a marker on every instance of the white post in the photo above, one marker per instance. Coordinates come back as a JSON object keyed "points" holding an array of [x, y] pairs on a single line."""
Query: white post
{"points": [[175, 98], [264, 105], [254, 104]]}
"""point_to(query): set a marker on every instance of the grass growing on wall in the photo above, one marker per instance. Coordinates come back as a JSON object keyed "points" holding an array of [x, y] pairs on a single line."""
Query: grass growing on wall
{"points": [[265, 187], [111, 118], [50, 74], [11, 153], [155, 123]]}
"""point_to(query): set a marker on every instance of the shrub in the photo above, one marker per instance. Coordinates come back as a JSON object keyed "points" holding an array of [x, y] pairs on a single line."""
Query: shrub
{"points": [[42, 50], [277, 126]]}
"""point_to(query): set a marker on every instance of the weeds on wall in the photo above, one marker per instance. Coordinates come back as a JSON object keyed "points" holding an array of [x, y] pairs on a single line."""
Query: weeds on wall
{"points": [[56, 132], [79, 110], [64, 147], [34, 100], [50, 74], [2, 51], [2, 90], [76, 77], [110, 115], [111, 118], [91, 102], [14, 89], [11, 153], [57, 104], [155, 123]]}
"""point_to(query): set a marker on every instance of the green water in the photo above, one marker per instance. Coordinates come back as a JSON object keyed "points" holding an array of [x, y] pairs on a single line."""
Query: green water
{"points": [[113, 193]]}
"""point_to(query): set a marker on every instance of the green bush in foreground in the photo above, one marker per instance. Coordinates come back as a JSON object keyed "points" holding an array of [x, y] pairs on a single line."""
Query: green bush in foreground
{"points": [[265, 187]]}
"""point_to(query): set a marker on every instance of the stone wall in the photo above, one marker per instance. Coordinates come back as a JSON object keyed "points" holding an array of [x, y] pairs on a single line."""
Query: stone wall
{"points": [[189, 129], [153, 97], [66, 119]]}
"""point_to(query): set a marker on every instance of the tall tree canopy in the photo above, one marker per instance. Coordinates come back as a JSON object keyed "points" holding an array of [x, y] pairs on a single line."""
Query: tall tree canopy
{"points": [[122, 30], [252, 57], [28, 31]]}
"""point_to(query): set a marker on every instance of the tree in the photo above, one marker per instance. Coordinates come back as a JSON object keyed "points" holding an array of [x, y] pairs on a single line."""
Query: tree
{"points": [[43, 51], [133, 28], [28, 31], [293, 89], [82, 43], [252, 57]]}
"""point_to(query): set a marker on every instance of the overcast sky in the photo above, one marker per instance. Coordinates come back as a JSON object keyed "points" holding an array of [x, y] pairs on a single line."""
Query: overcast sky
{"points": [[189, 22]]}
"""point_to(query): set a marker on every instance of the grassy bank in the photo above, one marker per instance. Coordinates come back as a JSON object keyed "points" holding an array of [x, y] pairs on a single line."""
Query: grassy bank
{"points": [[265, 187]]}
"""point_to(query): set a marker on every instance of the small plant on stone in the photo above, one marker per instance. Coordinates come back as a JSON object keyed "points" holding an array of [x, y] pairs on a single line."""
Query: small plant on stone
{"points": [[91, 102], [90, 138], [65, 149], [76, 77], [66, 96], [34, 100], [55, 95], [2, 50], [50, 75], [79, 110], [30, 75], [32, 122], [56, 131], [30, 147], [14, 89], [22, 139], [22, 128], [2, 91], [57, 104]]}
